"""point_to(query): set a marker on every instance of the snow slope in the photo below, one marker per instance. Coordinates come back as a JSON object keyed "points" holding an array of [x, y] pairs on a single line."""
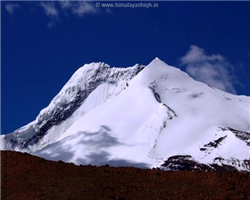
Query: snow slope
{"points": [[140, 119], [90, 85]]}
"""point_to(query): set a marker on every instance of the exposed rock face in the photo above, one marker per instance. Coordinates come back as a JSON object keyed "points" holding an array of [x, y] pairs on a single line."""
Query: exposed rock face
{"points": [[242, 135], [187, 163]]}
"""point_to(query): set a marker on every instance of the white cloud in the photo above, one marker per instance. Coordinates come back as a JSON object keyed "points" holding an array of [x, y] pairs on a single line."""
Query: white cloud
{"points": [[83, 8], [197, 54], [213, 70], [11, 7], [54, 9], [51, 11], [79, 8], [65, 4]]}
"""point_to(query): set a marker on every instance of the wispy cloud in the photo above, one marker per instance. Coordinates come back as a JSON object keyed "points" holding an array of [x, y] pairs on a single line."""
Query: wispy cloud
{"points": [[79, 8], [214, 70], [55, 9], [11, 7], [84, 8], [51, 11], [65, 4]]}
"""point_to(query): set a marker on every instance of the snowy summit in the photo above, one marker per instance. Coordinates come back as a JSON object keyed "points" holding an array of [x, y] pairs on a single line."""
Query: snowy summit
{"points": [[142, 116]]}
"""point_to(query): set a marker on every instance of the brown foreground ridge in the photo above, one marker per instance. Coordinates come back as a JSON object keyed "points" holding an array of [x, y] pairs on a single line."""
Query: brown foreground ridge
{"points": [[28, 177]]}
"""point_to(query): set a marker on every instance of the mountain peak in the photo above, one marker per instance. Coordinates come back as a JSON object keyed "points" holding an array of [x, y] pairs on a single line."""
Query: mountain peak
{"points": [[157, 61], [157, 68], [160, 114]]}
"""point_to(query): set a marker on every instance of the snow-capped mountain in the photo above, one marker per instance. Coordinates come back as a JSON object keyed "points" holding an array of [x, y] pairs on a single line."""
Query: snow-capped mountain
{"points": [[90, 86], [139, 116]]}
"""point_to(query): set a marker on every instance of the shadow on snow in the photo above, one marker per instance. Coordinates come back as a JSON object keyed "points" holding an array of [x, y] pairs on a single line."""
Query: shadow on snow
{"points": [[87, 148]]}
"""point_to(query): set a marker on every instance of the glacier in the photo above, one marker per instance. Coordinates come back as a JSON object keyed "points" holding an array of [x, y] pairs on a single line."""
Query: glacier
{"points": [[138, 116]]}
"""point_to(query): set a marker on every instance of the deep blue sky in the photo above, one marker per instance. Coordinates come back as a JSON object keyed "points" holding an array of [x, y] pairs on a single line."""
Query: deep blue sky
{"points": [[40, 52]]}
